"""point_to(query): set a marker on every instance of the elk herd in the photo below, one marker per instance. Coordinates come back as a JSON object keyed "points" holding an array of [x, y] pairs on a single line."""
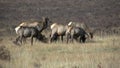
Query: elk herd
{"points": [[70, 32]]}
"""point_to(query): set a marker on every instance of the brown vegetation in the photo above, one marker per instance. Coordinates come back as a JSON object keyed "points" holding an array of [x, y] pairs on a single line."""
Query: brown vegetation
{"points": [[4, 53], [100, 52]]}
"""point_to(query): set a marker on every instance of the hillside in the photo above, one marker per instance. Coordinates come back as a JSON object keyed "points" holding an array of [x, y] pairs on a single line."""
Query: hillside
{"points": [[96, 13]]}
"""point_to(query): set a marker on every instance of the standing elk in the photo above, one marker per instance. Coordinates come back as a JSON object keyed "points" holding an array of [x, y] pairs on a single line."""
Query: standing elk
{"points": [[32, 30], [34, 24], [57, 30]]}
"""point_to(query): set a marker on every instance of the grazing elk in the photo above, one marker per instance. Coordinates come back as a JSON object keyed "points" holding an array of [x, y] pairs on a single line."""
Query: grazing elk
{"points": [[30, 30], [75, 33], [83, 26]]}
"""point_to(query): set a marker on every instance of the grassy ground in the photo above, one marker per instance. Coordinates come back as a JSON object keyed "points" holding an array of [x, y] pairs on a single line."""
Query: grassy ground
{"points": [[101, 52]]}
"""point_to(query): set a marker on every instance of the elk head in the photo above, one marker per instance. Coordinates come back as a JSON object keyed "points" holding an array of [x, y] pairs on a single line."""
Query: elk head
{"points": [[44, 23]]}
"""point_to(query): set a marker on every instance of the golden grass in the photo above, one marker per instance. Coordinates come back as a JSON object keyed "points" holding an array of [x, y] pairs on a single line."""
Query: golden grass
{"points": [[97, 53]]}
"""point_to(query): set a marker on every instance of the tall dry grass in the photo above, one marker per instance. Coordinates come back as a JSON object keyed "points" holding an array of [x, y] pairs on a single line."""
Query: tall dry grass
{"points": [[101, 52]]}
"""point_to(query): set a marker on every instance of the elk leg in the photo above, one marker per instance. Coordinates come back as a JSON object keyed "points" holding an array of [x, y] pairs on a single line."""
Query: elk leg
{"points": [[16, 41], [80, 39], [21, 39], [62, 38], [68, 37], [32, 40], [83, 39], [72, 39], [51, 38], [76, 39], [24, 40]]}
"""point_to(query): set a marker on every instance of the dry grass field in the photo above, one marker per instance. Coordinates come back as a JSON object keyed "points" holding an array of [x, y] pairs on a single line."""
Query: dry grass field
{"points": [[101, 52]]}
